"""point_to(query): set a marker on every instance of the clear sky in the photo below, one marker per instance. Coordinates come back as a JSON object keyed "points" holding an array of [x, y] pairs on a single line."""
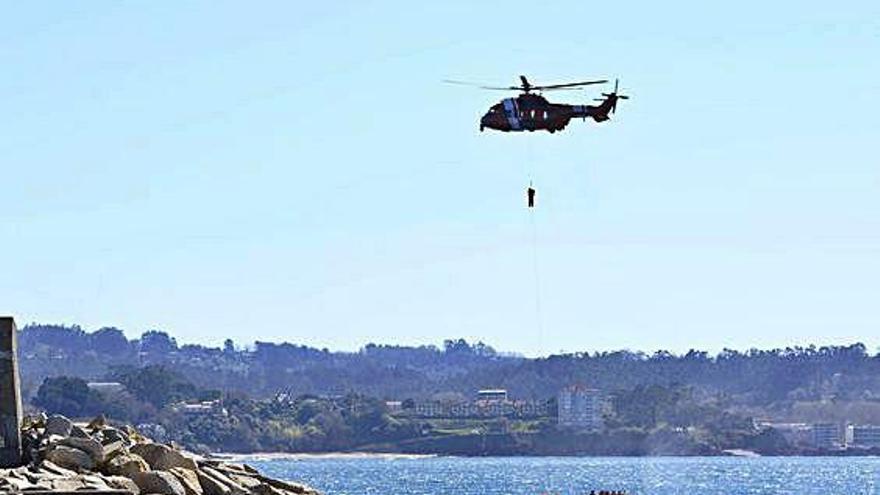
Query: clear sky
{"points": [[297, 171]]}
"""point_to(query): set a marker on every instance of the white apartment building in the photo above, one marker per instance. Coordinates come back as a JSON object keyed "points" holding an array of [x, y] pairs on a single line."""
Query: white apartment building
{"points": [[863, 436], [826, 435], [580, 407]]}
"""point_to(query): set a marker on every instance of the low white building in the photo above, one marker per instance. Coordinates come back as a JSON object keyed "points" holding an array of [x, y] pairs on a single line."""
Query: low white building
{"points": [[489, 404], [394, 406], [212, 407], [494, 394]]}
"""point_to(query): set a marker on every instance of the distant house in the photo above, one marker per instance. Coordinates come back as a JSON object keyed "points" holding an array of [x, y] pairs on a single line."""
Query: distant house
{"points": [[205, 408], [491, 403], [495, 394], [430, 409], [394, 406], [580, 407]]}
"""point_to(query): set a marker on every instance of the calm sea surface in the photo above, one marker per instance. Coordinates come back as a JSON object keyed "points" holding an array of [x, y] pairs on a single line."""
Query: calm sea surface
{"points": [[537, 475]]}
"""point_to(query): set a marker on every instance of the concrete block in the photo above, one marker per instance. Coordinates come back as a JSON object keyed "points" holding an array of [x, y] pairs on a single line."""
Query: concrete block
{"points": [[10, 396]]}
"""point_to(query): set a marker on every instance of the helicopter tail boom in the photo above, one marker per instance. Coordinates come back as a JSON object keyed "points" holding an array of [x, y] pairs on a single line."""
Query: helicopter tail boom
{"points": [[601, 112]]}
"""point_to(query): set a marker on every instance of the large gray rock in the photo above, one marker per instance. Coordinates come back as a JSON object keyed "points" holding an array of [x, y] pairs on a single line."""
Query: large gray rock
{"points": [[122, 483], [248, 477], [70, 458], [51, 439], [110, 435], [78, 432], [113, 448], [127, 465], [265, 489], [233, 486], [287, 486], [159, 482], [68, 484], [12, 483], [96, 424], [163, 457], [211, 485], [245, 481], [88, 445], [48, 466], [100, 460], [57, 424], [94, 482], [189, 479]]}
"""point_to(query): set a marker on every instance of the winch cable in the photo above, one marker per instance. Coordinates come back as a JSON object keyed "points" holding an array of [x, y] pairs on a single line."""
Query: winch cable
{"points": [[532, 213], [539, 320]]}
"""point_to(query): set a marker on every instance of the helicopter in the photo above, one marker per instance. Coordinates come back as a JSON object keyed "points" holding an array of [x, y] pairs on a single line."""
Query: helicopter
{"points": [[532, 112]]}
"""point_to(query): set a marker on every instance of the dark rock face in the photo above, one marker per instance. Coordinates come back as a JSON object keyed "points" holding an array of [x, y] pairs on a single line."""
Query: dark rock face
{"points": [[63, 456]]}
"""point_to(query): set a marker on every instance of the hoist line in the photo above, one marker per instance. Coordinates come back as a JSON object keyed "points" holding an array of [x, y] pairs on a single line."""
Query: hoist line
{"points": [[539, 320]]}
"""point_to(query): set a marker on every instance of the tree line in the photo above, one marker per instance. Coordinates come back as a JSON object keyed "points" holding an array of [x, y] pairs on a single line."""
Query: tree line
{"points": [[761, 378]]}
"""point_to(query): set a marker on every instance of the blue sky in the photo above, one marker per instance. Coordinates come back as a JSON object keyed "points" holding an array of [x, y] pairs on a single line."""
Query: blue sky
{"points": [[297, 171]]}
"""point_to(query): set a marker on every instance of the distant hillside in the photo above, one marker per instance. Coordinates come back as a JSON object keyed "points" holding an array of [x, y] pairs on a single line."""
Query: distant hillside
{"points": [[757, 378], [265, 370]]}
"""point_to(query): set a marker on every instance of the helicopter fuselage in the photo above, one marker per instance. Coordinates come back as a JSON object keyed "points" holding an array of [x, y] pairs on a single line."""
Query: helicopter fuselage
{"points": [[531, 112]]}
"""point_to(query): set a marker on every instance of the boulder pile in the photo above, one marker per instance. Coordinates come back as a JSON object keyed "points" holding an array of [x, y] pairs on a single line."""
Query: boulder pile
{"points": [[63, 456]]}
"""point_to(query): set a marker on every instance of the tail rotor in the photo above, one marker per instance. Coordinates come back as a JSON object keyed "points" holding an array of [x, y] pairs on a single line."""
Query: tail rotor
{"points": [[613, 96]]}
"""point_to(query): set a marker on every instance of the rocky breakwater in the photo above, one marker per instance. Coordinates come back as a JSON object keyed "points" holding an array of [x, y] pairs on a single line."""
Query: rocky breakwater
{"points": [[62, 456]]}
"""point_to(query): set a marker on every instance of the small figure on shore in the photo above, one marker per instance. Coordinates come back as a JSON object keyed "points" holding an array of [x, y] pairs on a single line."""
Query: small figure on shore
{"points": [[530, 193]]}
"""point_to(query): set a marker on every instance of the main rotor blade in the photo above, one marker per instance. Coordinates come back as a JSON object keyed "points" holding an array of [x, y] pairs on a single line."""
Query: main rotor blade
{"points": [[569, 85], [462, 83], [558, 89], [481, 86]]}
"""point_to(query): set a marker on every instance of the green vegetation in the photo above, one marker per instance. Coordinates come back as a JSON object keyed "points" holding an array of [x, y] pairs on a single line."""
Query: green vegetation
{"points": [[641, 421], [285, 397], [72, 397]]}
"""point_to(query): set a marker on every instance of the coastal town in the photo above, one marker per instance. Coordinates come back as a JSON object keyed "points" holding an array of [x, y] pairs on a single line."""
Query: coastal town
{"points": [[287, 398]]}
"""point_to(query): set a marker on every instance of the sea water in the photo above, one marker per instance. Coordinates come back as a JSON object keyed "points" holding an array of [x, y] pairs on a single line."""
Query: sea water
{"points": [[579, 475]]}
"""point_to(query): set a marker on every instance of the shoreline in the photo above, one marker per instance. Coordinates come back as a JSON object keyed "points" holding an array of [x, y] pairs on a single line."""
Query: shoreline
{"points": [[302, 456]]}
